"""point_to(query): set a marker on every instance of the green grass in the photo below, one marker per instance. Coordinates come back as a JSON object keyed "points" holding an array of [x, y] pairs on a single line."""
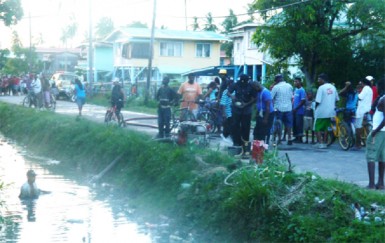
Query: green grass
{"points": [[268, 204], [133, 103]]}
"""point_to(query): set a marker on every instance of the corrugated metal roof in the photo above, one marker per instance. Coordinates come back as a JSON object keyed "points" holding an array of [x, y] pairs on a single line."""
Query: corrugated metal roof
{"points": [[165, 34]]}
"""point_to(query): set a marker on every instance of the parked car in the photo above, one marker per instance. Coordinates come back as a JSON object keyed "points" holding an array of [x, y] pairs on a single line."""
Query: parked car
{"points": [[64, 82]]}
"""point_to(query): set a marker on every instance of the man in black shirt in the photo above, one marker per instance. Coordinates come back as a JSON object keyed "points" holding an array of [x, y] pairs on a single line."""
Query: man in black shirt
{"points": [[165, 96], [118, 97], [242, 102]]}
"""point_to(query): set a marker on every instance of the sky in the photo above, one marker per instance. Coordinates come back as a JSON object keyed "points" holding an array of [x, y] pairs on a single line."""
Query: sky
{"points": [[49, 17]]}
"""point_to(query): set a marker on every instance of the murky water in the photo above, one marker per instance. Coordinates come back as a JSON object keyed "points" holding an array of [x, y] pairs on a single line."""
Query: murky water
{"points": [[70, 213]]}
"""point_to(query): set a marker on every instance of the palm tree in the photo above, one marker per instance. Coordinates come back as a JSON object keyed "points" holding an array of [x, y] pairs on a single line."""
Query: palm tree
{"points": [[195, 25], [210, 26]]}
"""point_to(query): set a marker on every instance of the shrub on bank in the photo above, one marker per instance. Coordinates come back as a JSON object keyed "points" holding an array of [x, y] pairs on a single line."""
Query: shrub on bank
{"points": [[204, 190]]}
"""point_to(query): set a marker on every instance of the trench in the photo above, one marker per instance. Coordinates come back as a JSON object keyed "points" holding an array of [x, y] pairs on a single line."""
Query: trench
{"points": [[71, 212]]}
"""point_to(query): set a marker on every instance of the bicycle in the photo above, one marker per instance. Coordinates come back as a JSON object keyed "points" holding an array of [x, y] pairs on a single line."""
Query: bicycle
{"points": [[30, 100], [341, 129], [276, 130], [111, 118], [210, 114], [367, 127]]}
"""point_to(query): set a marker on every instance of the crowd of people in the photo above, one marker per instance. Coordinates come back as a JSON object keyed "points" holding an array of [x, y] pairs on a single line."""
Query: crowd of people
{"points": [[302, 113], [38, 86]]}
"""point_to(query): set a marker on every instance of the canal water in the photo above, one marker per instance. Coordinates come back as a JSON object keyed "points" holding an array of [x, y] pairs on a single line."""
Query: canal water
{"points": [[69, 213]]}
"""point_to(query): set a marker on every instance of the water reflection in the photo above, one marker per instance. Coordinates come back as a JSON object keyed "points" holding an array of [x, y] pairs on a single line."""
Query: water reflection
{"points": [[71, 213], [29, 206]]}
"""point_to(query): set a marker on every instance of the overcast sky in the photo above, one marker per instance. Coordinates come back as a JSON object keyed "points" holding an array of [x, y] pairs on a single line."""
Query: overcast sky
{"points": [[49, 17]]}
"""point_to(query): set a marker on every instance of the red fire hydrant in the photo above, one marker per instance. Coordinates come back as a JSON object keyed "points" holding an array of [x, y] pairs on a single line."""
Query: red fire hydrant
{"points": [[258, 151]]}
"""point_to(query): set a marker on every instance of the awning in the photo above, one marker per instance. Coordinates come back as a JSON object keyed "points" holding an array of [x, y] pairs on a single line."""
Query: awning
{"points": [[172, 70], [212, 71]]}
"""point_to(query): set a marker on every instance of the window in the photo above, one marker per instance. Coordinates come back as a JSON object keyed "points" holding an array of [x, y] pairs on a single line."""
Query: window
{"points": [[136, 50], [203, 50], [171, 49], [140, 50]]}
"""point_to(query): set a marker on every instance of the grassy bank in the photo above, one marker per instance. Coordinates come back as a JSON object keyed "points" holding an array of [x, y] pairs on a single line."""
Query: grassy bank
{"points": [[216, 202]]}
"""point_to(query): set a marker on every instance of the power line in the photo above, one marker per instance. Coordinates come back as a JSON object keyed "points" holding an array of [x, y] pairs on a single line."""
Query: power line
{"points": [[243, 14]]}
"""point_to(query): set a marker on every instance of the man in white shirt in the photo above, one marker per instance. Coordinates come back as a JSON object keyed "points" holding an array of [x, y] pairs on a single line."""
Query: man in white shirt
{"points": [[365, 98], [36, 88], [325, 99], [282, 94]]}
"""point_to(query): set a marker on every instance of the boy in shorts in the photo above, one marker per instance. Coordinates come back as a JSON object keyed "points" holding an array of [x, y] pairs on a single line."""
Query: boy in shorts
{"points": [[308, 120]]}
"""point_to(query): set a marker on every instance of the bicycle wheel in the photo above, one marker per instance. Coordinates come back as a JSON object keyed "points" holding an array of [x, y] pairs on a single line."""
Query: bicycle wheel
{"points": [[345, 138], [108, 117], [122, 122], [365, 133], [183, 114], [330, 138], [27, 102], [209, 119], [52, 102]]}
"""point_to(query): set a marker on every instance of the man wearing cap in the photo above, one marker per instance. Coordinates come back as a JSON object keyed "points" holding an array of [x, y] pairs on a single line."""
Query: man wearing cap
{"points": [[165, 96], [223, 82], [365, 98], [118, 97], [282, 94], [29, 189], [190, 91]]}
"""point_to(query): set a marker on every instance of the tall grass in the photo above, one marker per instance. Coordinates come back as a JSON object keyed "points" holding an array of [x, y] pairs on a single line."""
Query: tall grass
{"points": [[264, 204]]}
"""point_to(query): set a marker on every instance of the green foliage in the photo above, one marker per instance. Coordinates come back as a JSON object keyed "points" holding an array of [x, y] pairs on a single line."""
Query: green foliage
{"points": [[210, 25], [10, 12], [325, 36], [104, 27], [267, 203]]}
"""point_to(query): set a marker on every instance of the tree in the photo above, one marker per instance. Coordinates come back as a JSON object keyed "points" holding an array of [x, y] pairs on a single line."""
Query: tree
{"points": [[104, 27], [195, 25], [320, 34], [10, 12], [137, 24], [209, 25], [25, 58], [70, 30], [3, 57], [228, 24]]}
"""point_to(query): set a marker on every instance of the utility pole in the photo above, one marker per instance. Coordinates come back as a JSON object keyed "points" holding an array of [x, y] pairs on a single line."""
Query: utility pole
{"points": [[90, 76], [30, 44], [185, 13], [149, 68]]}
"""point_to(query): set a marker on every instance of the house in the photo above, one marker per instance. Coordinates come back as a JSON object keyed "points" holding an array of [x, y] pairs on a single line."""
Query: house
{"points": [[103, 60], [58, 59], [174, 52], [246, 55]]}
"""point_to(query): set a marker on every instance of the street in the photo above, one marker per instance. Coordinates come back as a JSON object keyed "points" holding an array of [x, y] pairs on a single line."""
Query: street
{"points": [[348, 166]]}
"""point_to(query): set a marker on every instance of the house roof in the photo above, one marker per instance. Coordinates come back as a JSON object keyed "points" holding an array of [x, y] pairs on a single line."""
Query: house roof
{"points": [[137, 33], [57, 50]]}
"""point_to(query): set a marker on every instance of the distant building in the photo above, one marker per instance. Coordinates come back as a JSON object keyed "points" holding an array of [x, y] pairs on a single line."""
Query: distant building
{"points": [[103, 60], [174, 52], [246, 53], [58, 59]]}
